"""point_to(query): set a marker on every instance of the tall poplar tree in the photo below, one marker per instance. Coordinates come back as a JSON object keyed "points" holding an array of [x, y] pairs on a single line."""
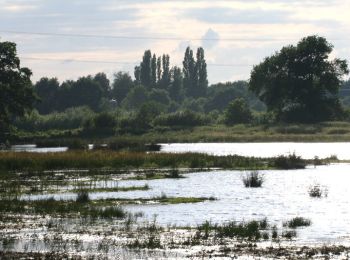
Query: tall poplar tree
{"points": [[154, 70], [201, 68], [146, 69]]}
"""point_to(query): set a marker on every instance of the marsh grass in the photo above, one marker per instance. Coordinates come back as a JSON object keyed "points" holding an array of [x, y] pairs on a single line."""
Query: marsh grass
{"points": [[174, 174], [291, 161], [253, 180], [91, 160], [62, 208], [297, 222], [83, 196]]}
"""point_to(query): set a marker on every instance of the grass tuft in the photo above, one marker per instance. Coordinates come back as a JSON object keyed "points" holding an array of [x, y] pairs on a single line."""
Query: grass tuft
{"points": [[253, 180], [297, 222]]}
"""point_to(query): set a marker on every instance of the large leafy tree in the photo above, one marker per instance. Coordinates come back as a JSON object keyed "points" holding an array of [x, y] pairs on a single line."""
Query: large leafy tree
{"points": [[122, 85], [16, 90], [300, 83]]}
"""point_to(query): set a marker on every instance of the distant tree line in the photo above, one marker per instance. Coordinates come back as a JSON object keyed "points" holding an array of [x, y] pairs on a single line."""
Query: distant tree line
{"points": [[170, 87], [296, 84]]}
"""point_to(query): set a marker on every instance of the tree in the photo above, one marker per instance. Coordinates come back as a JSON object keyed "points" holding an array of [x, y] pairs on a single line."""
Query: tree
{"points": [[137, 74], [237, 112], [159, 69], [176, 86], [47, 91], [300, 83], [101, 78], [146, 69], [195, 73], [147, 113], [154, 70], [160, 96], [122, 85], [189, 69], [166, 77], [16, 90], [136, 97], [86, 91], [201, 68]]}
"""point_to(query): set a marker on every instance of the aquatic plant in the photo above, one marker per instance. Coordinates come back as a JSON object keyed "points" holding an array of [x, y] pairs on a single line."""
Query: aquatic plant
{"points": [[316, 191], [253, 180]]}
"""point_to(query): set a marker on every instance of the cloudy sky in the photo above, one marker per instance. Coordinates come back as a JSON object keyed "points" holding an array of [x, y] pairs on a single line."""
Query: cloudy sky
{"points": [[67, 39]]}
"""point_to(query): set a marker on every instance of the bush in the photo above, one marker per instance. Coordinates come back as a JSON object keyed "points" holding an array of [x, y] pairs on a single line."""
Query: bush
{"points": [[238, 112], [253, 180]]}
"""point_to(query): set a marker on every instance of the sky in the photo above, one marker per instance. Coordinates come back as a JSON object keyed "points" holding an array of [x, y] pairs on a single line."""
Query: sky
{"points": [[69, 39]]}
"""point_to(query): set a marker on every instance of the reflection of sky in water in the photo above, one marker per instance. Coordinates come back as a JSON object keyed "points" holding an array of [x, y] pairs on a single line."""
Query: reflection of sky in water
{"points": [[284, 195], [305, 150]]}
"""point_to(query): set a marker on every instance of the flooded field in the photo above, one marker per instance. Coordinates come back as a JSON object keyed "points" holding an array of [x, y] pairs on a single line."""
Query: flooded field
{"points": [[176, 212], [283, 195]]}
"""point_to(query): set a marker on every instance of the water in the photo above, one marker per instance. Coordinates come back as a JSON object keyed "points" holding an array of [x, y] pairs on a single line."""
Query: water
{"points": [[264, 150], [284, 195], [34, 149]]}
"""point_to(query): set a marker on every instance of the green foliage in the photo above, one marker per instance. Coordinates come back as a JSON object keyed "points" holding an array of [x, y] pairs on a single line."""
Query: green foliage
{"points": [[16, 92], [122, 85], [221, 94], [159, 96], [147, 113], [185, 118], [136, 98], [104, 120], [71, 118], [300, 83], [195, 73], [237, 112]]}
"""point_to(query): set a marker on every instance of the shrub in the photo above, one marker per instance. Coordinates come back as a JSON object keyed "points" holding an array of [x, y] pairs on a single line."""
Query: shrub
{"points": [[238, 112], [185, 118], [253, 180]]}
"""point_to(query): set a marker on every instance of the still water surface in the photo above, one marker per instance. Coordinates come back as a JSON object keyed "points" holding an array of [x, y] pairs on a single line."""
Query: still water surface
{"points": [[284, 195]]}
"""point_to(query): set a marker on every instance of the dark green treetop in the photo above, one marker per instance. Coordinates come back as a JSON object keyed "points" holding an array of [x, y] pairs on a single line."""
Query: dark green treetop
{"points": [[300, 83], [16, 90]]}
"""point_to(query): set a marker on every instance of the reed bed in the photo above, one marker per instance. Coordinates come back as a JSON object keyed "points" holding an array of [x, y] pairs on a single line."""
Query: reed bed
{"points": [[24, 161]]}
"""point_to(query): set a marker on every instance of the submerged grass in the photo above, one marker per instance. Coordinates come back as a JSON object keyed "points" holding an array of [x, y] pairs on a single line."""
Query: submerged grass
{"points": [[59, 207], [251, 230]]}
